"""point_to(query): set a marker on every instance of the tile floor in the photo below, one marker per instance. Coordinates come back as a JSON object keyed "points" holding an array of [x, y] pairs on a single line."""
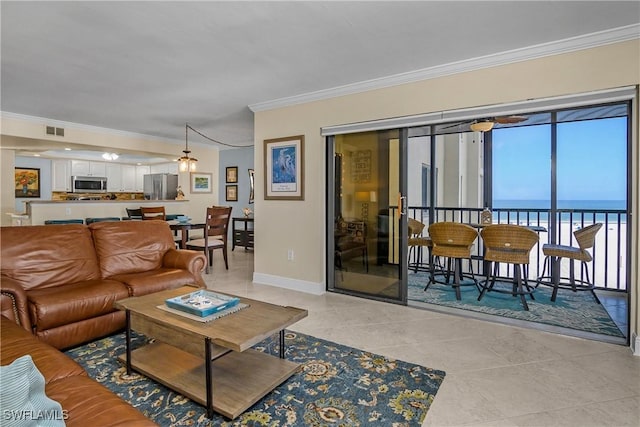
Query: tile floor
{"points": [[497, 375]]}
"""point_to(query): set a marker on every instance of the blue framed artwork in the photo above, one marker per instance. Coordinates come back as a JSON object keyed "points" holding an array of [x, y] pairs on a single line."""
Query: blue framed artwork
{"points": [[284, 168]]}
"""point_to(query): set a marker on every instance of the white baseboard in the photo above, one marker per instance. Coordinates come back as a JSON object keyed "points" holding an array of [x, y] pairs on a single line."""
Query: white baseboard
{"points": [[635, 344], [288, 283]]}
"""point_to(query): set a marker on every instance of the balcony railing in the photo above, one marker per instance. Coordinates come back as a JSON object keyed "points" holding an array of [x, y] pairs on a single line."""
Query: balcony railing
{"points": [[608, 270]]}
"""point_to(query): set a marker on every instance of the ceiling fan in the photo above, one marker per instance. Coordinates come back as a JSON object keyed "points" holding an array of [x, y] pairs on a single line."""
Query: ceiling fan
{"points": [[486, 124]]}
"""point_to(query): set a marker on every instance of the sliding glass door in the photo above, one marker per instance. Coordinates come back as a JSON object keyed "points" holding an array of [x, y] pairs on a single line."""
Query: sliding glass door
{"points": [[366, 245]]}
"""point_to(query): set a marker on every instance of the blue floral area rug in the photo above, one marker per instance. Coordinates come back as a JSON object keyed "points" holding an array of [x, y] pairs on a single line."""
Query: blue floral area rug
{"points": [[574, 310], [334, 386]]}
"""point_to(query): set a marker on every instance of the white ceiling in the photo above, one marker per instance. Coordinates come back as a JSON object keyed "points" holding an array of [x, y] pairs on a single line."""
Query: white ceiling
{"points": [[150, 67]]}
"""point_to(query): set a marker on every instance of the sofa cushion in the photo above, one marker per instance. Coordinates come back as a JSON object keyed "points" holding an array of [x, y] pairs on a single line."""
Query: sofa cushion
{"points": [[158, 280], [88, 403], [43, 256], [17, 342], [131, 246], [65, 304], [22, 393]]}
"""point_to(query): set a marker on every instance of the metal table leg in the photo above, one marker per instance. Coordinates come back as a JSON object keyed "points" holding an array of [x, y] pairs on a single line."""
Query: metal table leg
{"points": [[208, 376], [282, 344], [128, 340]]}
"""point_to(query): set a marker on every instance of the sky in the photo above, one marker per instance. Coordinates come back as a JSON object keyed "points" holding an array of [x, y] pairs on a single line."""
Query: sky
{"points": [[591, 161]]}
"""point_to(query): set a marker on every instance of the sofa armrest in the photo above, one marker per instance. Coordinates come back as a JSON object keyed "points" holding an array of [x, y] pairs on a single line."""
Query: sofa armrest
{"points": [[15, 299], [192, 261]]}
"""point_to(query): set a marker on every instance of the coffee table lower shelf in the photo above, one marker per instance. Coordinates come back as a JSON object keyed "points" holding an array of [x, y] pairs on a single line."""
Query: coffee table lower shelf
{"points": [[239, 379]]}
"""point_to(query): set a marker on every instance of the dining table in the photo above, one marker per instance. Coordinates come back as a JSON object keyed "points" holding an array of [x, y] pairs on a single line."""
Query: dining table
{"points": [[184, 228], [537, 228]]}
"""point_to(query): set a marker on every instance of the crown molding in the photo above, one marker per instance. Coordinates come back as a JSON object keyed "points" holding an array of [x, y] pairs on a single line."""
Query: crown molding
{"points": [[587, 41]]}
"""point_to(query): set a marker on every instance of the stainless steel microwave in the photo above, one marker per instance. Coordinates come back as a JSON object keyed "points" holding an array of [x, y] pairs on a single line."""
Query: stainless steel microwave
{"points": [[88, 184]]}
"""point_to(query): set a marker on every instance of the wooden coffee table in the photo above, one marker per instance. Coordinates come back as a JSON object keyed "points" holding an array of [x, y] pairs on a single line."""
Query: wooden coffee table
{"points": [[211, 363]]}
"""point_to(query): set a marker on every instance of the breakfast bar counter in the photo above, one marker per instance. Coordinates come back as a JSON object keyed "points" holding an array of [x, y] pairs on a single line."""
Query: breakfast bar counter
{"points": [[39, 211]]}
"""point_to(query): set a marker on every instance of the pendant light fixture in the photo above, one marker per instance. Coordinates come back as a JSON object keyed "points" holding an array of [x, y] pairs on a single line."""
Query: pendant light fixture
{"points": [[186, 163]]}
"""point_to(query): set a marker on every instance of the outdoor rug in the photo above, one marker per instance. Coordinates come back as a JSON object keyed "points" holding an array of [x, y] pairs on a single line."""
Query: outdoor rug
{"points": [[574, 310], [336, 385]]}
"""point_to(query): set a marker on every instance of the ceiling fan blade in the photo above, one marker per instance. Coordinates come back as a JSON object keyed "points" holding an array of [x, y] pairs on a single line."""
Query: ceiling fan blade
{"points": [[459, 124], [508, 120]]}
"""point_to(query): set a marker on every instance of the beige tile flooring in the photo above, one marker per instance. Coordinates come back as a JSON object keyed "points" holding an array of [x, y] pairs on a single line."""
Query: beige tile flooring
{"points": [[497, 375]]}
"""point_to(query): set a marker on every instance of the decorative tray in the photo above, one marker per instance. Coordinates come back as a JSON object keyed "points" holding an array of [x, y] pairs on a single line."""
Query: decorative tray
{"points": [[202, 303]]}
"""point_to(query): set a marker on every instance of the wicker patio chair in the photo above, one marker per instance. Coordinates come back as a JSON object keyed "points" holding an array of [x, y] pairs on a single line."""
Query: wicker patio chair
{"points": [[416, 242], [511, 244], [453, 241], [586, 238]]}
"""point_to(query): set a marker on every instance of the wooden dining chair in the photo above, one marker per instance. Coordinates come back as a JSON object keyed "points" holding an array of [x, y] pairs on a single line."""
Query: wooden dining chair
{"points": [[134, 213], [215, 234], [510, 244], [153, 212]]}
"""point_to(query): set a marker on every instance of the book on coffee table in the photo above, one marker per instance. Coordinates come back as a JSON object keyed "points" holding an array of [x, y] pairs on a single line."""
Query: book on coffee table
{"points": [[202, 303]]}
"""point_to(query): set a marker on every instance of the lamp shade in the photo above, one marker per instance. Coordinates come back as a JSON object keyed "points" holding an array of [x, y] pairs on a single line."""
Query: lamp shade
{"points": [[366, 196], [481, 126], [362, 196]]}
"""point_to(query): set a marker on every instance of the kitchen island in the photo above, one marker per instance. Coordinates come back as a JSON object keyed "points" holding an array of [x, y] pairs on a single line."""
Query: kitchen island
{"points": [[40, 210]]}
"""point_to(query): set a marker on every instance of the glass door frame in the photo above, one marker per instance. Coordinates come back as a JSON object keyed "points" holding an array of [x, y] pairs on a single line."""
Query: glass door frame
{"points": [[330, 218]]}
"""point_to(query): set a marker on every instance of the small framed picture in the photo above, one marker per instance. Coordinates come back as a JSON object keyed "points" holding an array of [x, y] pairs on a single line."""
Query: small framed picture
{"points": [[232, 174], [201, 182], [232, 193], [27, 182]]}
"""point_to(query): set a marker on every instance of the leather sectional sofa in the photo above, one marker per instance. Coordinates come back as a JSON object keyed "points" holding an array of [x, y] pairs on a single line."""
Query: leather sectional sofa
{"points": [[58, 284], [60, 281], [84, 401]]}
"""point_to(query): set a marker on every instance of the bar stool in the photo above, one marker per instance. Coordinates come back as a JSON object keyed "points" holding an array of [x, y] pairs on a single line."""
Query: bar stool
{"points": [[64, 221], [416, 242], [509, 244], [452, 240], [585, 237], [102, 219]]}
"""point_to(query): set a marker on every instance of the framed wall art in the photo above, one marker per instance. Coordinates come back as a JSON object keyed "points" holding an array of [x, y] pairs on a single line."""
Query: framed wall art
{"points": [[231, 193], [27, 182], [201, 182], [284, 168], [232, 174]]}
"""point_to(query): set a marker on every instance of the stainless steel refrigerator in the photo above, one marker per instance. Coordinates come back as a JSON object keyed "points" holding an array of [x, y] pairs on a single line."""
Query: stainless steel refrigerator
{"points": [[160, 186]]}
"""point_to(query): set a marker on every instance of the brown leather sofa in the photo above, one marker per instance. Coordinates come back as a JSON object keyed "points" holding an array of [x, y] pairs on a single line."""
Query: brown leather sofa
{"points": [[60, 281], [84, 401]]}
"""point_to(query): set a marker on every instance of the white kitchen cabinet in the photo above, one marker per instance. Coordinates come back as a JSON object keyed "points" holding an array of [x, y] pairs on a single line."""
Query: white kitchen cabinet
{"points": [[60, 175], [172, 168], [114, 177], [165, 168], [129, 178], [87, 168], [141, 171]]}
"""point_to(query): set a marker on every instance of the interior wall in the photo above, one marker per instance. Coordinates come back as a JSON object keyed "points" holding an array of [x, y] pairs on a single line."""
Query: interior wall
{"points": [[300, 225], [45, 179], [242, 158], [208, 158]]}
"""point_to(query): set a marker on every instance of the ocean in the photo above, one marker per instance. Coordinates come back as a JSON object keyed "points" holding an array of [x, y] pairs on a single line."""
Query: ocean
{"points": [[588, 208], [562, 204]]}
